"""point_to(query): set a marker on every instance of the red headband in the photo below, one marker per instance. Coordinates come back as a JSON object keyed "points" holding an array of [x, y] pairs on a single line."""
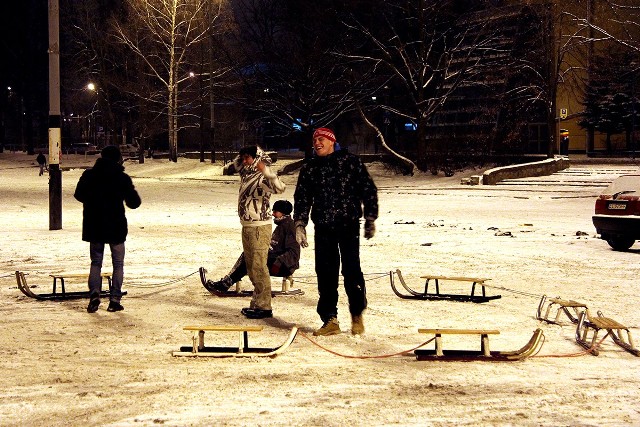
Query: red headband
{"points": [[326, 132]]}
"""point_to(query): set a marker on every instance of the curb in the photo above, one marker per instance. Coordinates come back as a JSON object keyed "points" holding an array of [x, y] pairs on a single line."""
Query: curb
{"points": [[544, 167]]}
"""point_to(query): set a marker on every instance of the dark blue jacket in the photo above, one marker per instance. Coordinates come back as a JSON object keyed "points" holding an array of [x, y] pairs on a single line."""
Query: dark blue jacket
{"points": [[335, 189], [102, 191]]}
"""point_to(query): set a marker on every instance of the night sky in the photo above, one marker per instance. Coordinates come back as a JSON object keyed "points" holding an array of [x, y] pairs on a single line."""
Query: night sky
{"points": [[24, 65]]}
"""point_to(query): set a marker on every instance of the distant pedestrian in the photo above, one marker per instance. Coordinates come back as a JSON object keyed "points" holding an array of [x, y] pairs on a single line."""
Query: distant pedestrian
{"points": [[42, 162], [334, 189], [102, 191]]}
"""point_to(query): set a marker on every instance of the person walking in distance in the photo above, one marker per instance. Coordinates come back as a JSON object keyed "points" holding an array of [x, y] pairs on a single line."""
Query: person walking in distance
{"points": [[42, 163], [102, 190], [335, 189]]}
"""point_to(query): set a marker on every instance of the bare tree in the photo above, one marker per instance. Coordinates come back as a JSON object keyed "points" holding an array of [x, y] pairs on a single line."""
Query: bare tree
{"points": [[292, 78], [429, 51], [163, 33]]}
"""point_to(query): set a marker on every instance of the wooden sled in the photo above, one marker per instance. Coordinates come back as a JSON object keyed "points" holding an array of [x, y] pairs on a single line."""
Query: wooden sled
{"points": [[198, 347], [287, 282], [564, 306], [412, 294], [63, 295], [531, 348], [592, 325]]}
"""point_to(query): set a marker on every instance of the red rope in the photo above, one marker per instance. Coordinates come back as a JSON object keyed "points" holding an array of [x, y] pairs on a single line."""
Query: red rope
{"points": [[381, 356]]}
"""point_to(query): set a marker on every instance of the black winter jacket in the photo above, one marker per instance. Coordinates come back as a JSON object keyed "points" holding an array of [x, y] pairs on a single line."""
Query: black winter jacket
{"points": [[338, 187], [102, 191], [284, 249]]}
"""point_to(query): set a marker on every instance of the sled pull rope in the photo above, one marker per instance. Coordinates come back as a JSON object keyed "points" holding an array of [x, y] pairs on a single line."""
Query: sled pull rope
{"points": [[580, 353], [380, 356], [156, 285]]}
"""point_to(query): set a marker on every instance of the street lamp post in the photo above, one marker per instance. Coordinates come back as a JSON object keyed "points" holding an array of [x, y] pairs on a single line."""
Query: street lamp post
{"points": [[93, 129], [55, 137]]}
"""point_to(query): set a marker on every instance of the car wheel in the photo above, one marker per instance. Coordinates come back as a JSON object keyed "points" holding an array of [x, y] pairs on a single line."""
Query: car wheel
{"points": [[620, 243]]}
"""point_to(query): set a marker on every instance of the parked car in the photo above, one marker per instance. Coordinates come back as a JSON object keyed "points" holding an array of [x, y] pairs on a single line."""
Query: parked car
{"points": [[129, 150], [617, 212], [82, 148]]}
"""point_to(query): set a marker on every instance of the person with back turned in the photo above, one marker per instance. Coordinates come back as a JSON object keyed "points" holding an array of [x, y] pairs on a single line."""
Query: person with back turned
{"points": [[103, 190]]}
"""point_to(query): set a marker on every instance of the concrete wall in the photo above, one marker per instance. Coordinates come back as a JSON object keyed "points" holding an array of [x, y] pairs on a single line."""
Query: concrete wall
{"points": [[544, 167]]}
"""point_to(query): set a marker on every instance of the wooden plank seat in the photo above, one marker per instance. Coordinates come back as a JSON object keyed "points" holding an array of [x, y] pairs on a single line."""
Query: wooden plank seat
{"points": [[63, 294], [485, 353], [570, 308], [426, 295], [287, 289], [589, 327], [243, 349], [74, 276]]}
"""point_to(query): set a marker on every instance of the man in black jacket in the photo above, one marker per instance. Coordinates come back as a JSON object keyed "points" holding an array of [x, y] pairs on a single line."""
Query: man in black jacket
{"points": [[334, 189], [102, 191], [283, 258]]}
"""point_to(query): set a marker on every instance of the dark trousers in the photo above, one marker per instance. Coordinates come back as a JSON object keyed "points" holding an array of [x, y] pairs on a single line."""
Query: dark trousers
{"points": [[96, 253], [335, 244], [239, 269]]}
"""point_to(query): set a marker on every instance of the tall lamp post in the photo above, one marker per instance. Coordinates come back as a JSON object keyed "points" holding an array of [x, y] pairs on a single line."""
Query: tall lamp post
{"points": [[93, 126], [55, 173]]}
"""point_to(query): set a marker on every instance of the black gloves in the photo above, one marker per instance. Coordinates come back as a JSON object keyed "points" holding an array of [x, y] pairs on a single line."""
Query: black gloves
{"points": [[369, 228], [301, 234]]}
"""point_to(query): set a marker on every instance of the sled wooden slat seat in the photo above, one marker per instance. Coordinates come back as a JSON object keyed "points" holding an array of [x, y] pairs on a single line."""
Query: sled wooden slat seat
{"points": [[74, 276], [198, 347], [483, 354], [588, 324], [569, 307], [437, 295], [287, 290], [471, 297], [484, 337], [63, 295]]}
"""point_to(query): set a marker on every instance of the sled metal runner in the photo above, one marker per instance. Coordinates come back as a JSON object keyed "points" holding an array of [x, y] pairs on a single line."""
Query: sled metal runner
{"points": [[589, 327], [198, 348], [484, 354], [413, 294], [63, 295], [570, 308]]}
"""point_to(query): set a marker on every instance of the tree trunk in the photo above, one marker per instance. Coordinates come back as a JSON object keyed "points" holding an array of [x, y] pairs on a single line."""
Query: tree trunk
{"points": [[407, 165]]}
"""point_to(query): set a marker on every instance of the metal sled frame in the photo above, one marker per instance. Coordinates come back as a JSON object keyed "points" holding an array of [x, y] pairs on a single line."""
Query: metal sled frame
{"points": [[569, 307], [484, 354], [412, 294], [198, 347], [592, 325], [63, 295]]}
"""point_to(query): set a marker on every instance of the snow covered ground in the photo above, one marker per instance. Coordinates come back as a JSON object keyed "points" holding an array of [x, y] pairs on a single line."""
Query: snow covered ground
{"points": [[64, 367]]}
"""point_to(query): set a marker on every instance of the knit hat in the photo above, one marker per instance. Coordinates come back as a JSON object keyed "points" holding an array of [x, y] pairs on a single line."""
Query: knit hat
{"points": [[111, 153], [326, 132], [283, 206]]}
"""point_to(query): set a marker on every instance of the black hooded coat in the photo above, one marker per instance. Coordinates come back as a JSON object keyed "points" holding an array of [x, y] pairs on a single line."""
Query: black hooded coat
{"points": [[102, 191]]}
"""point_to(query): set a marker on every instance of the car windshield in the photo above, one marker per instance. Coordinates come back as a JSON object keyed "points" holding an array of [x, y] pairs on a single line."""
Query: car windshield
{"points": [[626, 184]]}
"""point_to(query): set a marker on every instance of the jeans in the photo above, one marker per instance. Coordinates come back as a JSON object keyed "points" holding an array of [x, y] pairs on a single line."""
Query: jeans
{"points": [[335, 244], [96, 252]]}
